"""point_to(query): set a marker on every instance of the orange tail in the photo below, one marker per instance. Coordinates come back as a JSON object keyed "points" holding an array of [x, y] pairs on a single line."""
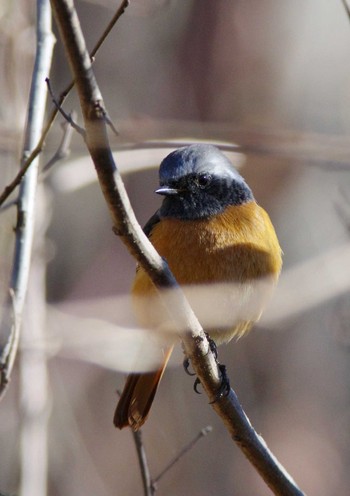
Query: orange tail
{"points": [[137, 397]]}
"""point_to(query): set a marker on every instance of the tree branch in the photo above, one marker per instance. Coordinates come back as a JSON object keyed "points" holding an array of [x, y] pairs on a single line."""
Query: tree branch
{"points": [[194, 341], [63, 150], [60, 109], [148, 486], [9, 329]]}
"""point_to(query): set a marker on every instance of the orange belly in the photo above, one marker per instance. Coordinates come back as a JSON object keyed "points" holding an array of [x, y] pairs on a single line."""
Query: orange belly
{"points": [[227, 266]]}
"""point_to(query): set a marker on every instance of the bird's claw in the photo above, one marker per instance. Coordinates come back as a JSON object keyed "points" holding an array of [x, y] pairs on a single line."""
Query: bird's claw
{"points": [[225, 387], [195, 386], [212, 346], [186, 364]]}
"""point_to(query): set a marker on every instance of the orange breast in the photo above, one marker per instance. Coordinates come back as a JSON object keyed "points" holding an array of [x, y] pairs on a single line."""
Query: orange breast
{"points": [[237, 249]]}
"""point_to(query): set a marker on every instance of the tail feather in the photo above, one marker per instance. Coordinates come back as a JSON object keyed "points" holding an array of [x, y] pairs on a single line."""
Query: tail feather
{"points": [[137, 397]]}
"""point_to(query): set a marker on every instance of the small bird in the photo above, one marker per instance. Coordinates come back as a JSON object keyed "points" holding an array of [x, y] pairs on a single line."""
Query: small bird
{"points": [[222, 249]]}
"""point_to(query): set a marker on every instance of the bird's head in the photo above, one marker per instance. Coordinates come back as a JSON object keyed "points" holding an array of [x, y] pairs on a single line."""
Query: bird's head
{"points": [[198, 181]]}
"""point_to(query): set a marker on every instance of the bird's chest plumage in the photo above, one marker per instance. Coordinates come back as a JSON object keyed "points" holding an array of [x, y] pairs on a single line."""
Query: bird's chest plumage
{"points": [[233, 250], [238, 245]]}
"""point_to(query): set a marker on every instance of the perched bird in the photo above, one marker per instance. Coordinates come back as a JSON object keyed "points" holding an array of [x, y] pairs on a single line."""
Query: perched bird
{"points": [[222, 249]]}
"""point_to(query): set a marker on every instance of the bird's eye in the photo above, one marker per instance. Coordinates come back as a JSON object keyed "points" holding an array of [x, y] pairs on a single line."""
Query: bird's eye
{"points": [[203, 180]]}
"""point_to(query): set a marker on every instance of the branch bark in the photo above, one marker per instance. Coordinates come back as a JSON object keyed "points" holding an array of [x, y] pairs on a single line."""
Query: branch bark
{"points": [[125, 224]]}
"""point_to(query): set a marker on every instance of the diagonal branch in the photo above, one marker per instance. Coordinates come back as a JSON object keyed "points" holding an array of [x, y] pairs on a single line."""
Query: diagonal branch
{"points": [[125, 224]]}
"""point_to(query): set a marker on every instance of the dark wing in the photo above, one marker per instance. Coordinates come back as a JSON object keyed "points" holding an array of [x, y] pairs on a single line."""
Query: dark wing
{"points": [[147, 229]]}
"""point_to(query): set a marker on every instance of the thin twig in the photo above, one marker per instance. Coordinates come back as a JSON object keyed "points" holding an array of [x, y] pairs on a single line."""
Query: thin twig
{"points": [[202, 433], [68, 117], [117, 15], [149, 484], [195, 343], [8, 205], [63, 150], [148, 487], [70, 120], [41, 142], [111, 125]]}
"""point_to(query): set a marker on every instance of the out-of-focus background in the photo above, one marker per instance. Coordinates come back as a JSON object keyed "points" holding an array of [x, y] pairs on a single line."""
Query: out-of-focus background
{"points": [[272, 78]]}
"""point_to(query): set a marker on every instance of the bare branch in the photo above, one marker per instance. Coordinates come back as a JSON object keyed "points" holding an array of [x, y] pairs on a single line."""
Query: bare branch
{"points": [[26, 201], [8, 205], [68, 117], [120, 11], [195, 342], [111, 125], [63, 150], [33, 372], [148, 487]]}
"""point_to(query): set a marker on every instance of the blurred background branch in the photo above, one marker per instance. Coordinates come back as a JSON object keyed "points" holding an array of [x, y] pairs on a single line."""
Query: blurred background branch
{"points": [[9, 331], [33, 378]]}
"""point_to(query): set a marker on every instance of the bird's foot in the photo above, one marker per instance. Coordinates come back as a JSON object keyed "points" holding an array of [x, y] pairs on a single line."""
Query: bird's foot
{"points": [[224, 388], [213, 349]]}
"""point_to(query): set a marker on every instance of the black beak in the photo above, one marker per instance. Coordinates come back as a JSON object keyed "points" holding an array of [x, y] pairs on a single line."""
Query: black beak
{"points": [[167, 191]]}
